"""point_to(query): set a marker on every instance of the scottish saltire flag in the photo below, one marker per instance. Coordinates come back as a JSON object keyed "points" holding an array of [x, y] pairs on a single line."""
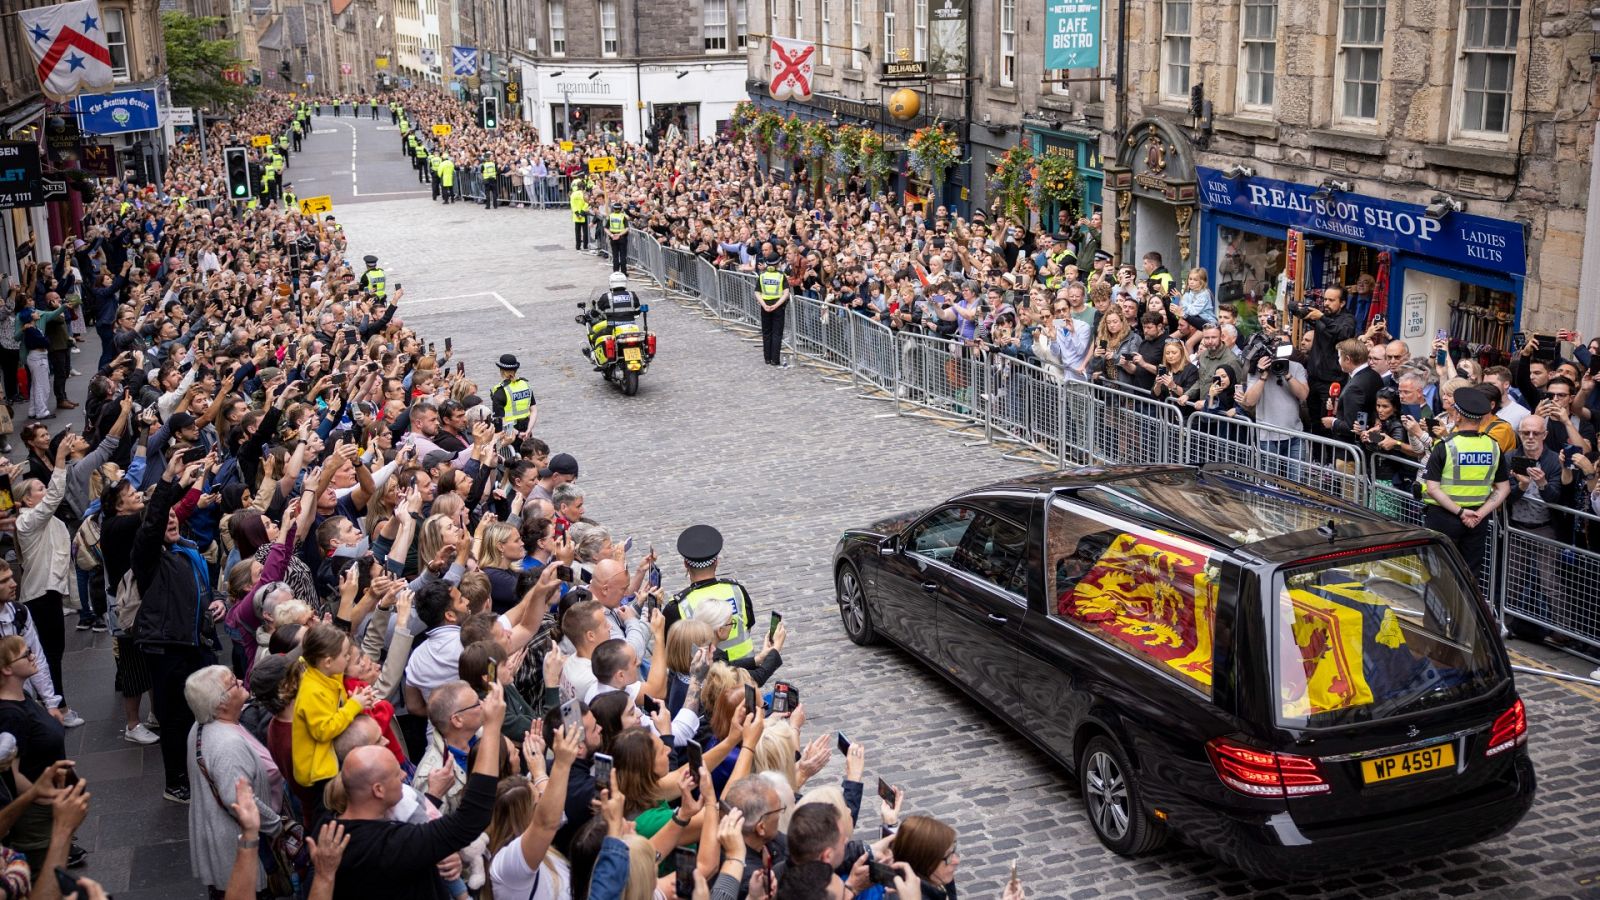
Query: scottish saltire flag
{"points": [[464, 60], [68, 41]]}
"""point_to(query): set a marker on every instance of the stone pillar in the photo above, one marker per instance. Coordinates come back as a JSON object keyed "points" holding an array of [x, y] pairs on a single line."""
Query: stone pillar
{"points": [[1589, 280]]}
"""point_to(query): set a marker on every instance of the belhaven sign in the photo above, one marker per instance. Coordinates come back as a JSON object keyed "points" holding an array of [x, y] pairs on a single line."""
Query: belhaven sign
{"points": [[1460, 238]]}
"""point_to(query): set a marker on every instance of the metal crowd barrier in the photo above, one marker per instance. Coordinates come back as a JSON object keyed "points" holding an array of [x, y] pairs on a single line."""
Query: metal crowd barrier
{"points": [[1333, 467], [1550, 582]]}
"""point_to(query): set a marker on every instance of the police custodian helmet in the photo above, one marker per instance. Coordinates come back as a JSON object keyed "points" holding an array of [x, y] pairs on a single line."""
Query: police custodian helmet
{"points": [[700, 545]]}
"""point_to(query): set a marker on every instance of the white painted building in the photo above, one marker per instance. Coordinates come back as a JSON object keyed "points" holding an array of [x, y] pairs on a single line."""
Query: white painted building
{"points": [[694, 95]]}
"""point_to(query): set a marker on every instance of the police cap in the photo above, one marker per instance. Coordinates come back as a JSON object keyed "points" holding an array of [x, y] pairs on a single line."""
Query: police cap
{"points": [[700, 545], [1472, 403], [370, 260], [507, 361]]}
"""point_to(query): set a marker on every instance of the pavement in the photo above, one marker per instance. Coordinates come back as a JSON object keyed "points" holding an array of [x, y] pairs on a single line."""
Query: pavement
{"points": [[781, 461]]}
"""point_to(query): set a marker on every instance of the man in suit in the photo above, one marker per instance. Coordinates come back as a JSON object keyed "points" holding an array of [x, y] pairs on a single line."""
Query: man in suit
{"points": [[1357, 407]]}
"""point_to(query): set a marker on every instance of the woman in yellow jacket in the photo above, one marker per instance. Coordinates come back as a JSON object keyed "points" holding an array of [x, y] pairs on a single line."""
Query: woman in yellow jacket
{"points": [[322, 708]]}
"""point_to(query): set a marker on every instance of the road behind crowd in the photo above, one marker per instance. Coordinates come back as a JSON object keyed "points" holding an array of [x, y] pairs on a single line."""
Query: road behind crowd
{"points": [[780, 461]]}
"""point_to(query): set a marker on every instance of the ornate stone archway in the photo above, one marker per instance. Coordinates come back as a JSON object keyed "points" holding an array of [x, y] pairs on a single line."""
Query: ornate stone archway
{"points": [[1155, 163]]}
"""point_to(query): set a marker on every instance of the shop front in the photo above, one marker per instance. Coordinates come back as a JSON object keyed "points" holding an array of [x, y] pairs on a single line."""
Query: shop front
{"points": [[1425, 269], [569, 101]]}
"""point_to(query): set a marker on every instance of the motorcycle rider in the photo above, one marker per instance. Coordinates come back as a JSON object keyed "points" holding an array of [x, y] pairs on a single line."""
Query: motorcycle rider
{"points": [[615, 306]]}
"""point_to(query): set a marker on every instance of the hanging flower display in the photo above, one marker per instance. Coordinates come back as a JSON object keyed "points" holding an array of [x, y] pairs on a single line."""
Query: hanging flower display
{"points": [[876, 159], [1057, 180], [932, 151], [767, 127], [791, 140], [743, 120], [1012, 183]]}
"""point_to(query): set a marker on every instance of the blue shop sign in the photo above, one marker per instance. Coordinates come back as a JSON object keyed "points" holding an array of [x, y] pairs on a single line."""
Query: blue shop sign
{"points": [[1458, 238], [119, 112]]}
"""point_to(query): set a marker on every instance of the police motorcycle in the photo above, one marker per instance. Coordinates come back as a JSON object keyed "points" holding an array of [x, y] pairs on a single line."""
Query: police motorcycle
{"points": [[619, 340]]}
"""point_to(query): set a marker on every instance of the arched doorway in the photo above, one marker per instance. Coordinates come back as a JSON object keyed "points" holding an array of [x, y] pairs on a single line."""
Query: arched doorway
{"points": [[1153, 183]]}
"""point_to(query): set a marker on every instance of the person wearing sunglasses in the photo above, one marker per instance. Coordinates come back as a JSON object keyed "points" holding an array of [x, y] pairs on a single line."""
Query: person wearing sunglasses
{"points": [[456, 713]]}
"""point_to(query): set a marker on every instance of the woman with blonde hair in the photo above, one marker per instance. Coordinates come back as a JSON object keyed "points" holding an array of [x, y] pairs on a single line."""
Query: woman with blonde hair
{"points": [[451, 505], [684, 641], [438, 531], [1177, 373], [500, 554], [522, 864]]}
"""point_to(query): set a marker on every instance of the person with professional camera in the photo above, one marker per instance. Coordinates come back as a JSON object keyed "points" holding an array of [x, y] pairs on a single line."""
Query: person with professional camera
{"points": [[1330, 323], [1276, 390]]}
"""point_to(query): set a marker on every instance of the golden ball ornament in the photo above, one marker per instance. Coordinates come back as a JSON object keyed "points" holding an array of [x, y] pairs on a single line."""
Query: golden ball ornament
{"points": [[904, 104]]}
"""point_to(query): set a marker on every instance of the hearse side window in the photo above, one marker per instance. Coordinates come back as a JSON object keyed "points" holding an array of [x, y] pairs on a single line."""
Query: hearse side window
{"points": [[937, 536], [1150, 593], [993, 549]]}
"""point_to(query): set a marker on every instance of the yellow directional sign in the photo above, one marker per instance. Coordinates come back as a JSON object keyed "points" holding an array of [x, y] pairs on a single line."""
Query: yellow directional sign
{"points": [[381, 62], [441, 129], [261, 140], [313, 205], [602, 164], [566, 146]]}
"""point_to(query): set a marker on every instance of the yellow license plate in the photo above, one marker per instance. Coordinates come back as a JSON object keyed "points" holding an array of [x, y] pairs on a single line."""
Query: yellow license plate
{"points": [[630, 353], [1412, 762]]}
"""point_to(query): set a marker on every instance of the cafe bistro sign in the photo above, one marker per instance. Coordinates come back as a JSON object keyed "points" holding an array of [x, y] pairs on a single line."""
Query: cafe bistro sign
{"points": [[1461, 238]]}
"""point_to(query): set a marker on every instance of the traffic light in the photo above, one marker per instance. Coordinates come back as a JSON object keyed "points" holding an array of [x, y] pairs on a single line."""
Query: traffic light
{"points": [[491, 112], [237, 161]]}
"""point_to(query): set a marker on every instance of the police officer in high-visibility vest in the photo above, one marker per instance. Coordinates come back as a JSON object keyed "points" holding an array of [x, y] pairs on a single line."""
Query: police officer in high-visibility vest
{"points": [[433, 170], [447, 178], [291, 200], [491, 183], [512, 399], [773, 294], [617, 232], [700, 546], [1466, 480], [297, 133], [579, 201], [374, 279]]}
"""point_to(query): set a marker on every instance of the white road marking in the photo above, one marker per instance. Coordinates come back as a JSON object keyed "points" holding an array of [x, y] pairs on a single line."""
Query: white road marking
{"points": [[495, 294]]}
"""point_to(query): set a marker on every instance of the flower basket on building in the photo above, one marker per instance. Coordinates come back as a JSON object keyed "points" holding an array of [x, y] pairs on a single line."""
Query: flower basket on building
{"points": [[1012, 183]]}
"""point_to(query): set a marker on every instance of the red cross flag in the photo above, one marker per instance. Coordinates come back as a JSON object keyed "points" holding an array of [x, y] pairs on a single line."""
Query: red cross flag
{"points": [[68, 41], [792, 65]]}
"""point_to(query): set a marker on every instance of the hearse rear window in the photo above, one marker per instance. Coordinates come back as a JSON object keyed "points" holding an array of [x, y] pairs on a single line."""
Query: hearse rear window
{"points": [[1153, 594], [1215, 503], [1371, 636]]}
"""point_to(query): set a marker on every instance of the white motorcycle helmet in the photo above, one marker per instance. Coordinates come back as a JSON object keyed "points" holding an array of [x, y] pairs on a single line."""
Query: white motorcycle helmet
{"points": [[619, 281]]}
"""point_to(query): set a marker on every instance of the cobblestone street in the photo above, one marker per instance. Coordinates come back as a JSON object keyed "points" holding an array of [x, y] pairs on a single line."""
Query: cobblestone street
{"points": [[783, 460]]}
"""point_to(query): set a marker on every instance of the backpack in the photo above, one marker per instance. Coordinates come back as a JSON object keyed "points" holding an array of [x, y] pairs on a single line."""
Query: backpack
{"points": [[86, 545], [126, 602]]}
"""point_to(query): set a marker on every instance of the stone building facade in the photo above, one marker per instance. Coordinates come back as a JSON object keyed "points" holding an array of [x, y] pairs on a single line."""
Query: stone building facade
{"points": [[631, 68], [1440, 147]]}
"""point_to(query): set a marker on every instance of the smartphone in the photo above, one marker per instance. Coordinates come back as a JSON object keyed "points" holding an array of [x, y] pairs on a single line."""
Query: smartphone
{"points": [[696, 756], [69, 777], [1361, 421], [448, 345], [627, 546], [461, 368], [1522, 464], [571, 717], [785, 697], [69, 885], [1441, 335], [750, 699], [563, 572], [886, 791], [602, 770], [1440, 355], [1102, 345], [844, 743], [881, 873], [493, 672], [654, 577], [772, 624], [6, 503], [193, 455], [338, 379], [684, 859]]}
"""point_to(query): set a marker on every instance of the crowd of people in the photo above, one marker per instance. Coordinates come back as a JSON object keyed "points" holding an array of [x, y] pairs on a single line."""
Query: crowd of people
{"points": [[359, 605]]}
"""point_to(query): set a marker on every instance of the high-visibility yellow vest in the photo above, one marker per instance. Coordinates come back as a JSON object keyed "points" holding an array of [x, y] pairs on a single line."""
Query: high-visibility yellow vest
{"points": [[489, 171], [519, 400], [290, 201], [771, 286], [617, 224], [738, 645], [1470, 461], [377, 283], [447, 173], [579, 204]]}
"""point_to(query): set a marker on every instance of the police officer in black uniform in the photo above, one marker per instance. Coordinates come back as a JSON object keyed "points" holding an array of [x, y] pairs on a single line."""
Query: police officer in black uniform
{"points": [[700, 546]]}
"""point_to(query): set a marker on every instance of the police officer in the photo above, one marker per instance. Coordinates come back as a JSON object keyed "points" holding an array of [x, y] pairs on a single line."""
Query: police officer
{"points": [[617, 232], [433, 172], [772, 294], [491, 183], [1466, 480], [700, 545], [447, 178], [512, 399], [291, 201], [297, 133], [579, 201], [374, 279]]}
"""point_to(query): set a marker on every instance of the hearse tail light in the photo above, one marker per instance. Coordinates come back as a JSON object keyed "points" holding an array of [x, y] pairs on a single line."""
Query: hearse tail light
{"points": [[1509, 730], [1262, 773]]}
